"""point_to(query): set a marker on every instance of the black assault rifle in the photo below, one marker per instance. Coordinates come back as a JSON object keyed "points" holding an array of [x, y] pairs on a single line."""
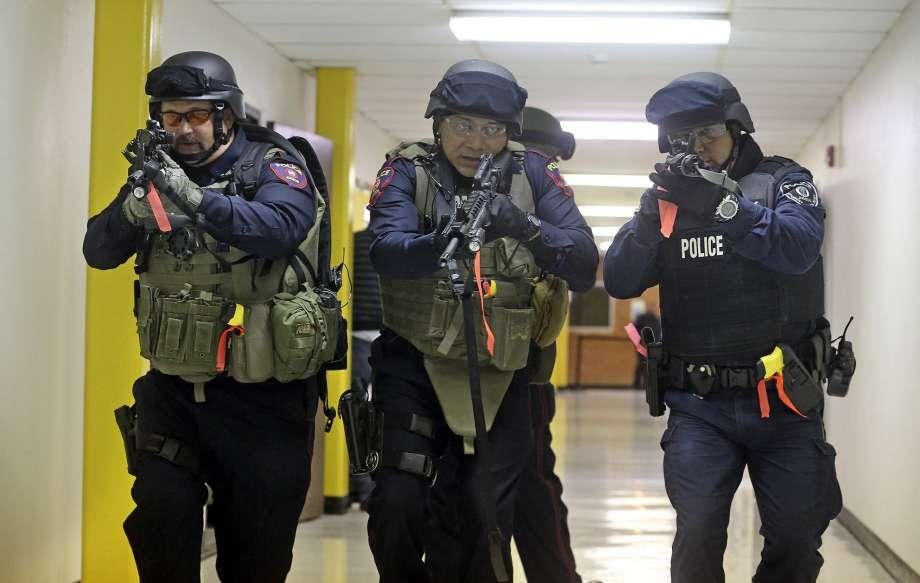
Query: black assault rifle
{"points": [[467, 227]]}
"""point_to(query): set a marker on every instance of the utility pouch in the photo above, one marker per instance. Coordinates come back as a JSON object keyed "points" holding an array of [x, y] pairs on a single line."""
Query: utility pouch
{"points": [[363, 432], [550, 301], [841, 370], [126, 419], [654, 392], [512, 327], [799, 383], [251, 353], [304, 331]]}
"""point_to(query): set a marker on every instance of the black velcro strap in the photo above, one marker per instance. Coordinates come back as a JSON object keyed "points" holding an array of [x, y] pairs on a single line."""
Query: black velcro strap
{"points": [[168, 448], [413, 422], [413, 463], [301, 275], [744, 377]]}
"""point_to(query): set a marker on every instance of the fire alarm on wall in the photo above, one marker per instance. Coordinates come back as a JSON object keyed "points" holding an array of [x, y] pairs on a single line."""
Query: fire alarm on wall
{"points": [[829, 156]]}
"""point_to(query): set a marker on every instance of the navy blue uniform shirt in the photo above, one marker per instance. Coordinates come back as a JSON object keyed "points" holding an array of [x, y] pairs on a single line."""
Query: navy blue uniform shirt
{"points": [[271, 225], [786, 239], [565, 246]]}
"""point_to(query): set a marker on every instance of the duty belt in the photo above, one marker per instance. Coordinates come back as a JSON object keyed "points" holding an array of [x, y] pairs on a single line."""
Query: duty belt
{"points": [[702, 379]]}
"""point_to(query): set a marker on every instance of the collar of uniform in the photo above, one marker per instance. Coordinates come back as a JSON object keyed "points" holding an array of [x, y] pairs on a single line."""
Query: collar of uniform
{"points": [[749, 156], [208, 174]]}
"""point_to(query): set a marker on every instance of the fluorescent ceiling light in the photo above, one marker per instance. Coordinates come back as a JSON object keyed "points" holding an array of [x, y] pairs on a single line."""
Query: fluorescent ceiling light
{"points": [[604, 231], [609, 180], [596, 29], [612, 130], [600, 211]]}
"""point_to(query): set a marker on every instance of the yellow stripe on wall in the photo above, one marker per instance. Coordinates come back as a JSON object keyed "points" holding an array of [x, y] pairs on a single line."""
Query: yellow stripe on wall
{"points": [[126, 44]]}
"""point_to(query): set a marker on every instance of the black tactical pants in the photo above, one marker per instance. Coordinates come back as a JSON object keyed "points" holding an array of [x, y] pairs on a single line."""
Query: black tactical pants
{"points": [[707, 444], [541, 531], [254, 442], [411, 516]]}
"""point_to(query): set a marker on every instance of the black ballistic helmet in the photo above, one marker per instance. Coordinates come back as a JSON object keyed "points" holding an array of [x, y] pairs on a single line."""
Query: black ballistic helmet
{"points": [[544, 132], [482, 88], [695, 100], [195, 75]]}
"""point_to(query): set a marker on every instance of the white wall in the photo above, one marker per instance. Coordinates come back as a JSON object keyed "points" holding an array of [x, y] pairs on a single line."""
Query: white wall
{"points": [[45, 116], [270, 82], [872, 252], [371, 146]]}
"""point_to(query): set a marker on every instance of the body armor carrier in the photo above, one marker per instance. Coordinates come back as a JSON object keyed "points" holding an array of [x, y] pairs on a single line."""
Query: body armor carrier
{"points": [[722, 308], [191, 285], [428, 315]]}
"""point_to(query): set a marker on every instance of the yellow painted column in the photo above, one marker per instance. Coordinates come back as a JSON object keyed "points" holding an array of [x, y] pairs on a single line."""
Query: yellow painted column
{"points": [[560, 376], [335, 112], [126, 45]]}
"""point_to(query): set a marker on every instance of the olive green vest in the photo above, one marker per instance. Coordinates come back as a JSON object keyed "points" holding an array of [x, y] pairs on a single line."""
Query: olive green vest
{"points": [[426, 313], [184, 304]]}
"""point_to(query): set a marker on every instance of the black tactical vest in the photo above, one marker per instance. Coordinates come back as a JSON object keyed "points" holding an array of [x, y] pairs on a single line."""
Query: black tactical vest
{"points": [[721, 308]]}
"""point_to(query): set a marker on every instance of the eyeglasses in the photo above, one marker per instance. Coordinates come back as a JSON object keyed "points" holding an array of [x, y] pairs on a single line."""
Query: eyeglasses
{"points": [[703, 135], [195, 117], [464, 128]]}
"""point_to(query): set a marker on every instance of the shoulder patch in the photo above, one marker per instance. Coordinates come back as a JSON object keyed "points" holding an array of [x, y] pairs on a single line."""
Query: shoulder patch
{"points": [[292, 174], [801, 192], [384, 178], [552, 170]]}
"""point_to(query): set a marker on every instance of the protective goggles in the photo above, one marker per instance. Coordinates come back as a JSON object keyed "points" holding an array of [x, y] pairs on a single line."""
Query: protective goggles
{"points": [[195, 117], [703, 135], [462, 127]]}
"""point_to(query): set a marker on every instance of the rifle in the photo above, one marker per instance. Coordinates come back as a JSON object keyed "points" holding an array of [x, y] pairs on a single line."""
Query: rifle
{"points": [[467, 225]]}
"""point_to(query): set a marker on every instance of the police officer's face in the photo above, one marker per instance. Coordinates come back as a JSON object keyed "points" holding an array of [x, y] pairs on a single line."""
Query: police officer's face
{"points": [[465, 138], [191, 122], [714, 150]]}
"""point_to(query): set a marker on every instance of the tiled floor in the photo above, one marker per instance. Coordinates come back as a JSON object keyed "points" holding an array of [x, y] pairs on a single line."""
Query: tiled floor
{"points": [[620, 518]]}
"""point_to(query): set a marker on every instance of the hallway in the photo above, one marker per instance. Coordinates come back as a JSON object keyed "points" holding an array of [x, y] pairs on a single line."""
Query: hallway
{"points": [[621, 521]]}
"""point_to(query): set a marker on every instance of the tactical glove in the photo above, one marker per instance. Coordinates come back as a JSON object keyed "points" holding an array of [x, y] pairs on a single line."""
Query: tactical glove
{"points": [[507, 220], [139, 213], [174, 184], [692, 194]]}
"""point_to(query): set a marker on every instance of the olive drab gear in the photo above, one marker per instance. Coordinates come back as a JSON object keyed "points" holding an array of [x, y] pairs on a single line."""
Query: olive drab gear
{"points": [[729, 310], [425, 312], [191, 285]]}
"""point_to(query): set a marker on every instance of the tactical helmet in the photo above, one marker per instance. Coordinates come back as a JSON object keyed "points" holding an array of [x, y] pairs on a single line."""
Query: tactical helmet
{"points": [[695, 100], [544, 132], [479, 87], [195, 75]]}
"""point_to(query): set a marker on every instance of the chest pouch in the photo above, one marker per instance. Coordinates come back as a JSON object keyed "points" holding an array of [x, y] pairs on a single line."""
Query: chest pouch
{"points": [[550, 302]]}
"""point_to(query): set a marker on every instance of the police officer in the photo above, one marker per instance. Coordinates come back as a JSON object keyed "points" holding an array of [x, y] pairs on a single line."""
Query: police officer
{"points": [[541, 530], [739, 273], [428, 499], [233, 206]]}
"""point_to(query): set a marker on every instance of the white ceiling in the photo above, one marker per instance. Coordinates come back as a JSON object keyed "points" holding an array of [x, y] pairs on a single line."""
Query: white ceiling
{"points": [[790, 59]]}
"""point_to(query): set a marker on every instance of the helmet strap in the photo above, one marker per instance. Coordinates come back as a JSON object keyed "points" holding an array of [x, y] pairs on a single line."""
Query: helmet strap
{"points": [[221, 137]]}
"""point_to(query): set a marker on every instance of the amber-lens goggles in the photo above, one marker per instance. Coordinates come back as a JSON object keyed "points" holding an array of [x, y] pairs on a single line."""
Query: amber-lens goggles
{"points": [[195, 117]]}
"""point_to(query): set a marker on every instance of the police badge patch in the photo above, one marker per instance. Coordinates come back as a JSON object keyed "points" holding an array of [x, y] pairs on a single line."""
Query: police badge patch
{"points": [[552, 170], [802, 192], [384, 178], [289, 173]]}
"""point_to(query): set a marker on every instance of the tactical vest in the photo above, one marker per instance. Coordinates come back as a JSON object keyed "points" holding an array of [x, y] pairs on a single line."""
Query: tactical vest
{"points": [[426, 313], [721, 308], [192, 285]]}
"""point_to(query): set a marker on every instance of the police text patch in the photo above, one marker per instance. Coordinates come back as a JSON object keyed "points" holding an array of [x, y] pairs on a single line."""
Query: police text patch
{"points": [[802, 192], [701, 247], [552, 170], [289, 173]]}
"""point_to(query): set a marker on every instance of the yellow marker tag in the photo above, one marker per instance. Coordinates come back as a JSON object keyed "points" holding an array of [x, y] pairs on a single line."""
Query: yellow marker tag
{"points": [[771, 364], [237, 319]]}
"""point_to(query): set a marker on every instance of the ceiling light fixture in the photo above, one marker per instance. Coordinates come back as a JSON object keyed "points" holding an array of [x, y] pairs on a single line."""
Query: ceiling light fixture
{"points": [[611, 130], [609, 180], [596, 29]]}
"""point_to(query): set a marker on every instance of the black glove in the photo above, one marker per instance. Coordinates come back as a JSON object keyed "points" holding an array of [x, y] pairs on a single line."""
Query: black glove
{"points": [[507, 220], [442, 234], [693, 194]]}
